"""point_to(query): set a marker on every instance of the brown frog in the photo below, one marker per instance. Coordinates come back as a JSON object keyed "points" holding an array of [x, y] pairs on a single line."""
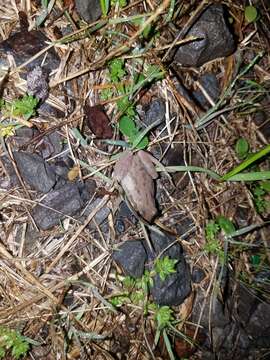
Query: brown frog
{"points": [[135, 173]]}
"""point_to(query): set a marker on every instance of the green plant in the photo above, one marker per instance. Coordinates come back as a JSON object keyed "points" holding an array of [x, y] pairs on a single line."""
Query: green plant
{"points": [[164, 267], [242, 148], [212, 230], [126, 89], [251, 14], [260, 192], [11, 340], [24, 107]]}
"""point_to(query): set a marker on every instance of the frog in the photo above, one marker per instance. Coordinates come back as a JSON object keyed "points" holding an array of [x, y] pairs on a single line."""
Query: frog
{"points": [[136, 172]]}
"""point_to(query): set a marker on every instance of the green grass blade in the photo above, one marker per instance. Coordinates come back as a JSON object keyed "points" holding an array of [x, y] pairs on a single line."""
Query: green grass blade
{"points": [[247, 229], [168, 345], [211, 173], [142, 134], [104, 4], [252, 176], [246, 163]]}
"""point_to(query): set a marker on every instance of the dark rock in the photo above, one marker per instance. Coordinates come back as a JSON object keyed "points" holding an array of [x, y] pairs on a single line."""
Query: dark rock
{"points": [[211, 85], [66, 201], [61, 169], [207, 312], [217, 40], [9, 168], [155, 111], [38, 83], [131, 257], [124, 217], [46, 110], [51, 145], [259, 324], [89, 10], [100, 216], [197, 275], [176, 287], [87, 189], [23, 45], [35, 171], [24, 134]]}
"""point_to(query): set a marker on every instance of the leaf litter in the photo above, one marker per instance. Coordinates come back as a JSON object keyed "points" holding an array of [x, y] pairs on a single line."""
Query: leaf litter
{"points": [[78, 268]]}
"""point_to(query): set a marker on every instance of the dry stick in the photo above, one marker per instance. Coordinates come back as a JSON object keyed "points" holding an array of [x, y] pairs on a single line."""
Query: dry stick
{"points": [[7, 256], [77, 233], [58, 286], [120, 50]]}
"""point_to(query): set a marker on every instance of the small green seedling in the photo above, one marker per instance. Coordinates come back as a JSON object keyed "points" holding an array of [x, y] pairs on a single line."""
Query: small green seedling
{"points": [[165, 266], [11, 341], [127, 125], [251, 14], [260, 191], [24, 107], [241, 148], [212, 230]]}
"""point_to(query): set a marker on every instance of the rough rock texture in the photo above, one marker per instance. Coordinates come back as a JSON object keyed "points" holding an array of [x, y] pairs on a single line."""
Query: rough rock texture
{"points": [[23, 45], [67, 201], [155, 111], [211, 86], [35, 171], [89, 10], [131, 257], [176, 287], [217, 40]]}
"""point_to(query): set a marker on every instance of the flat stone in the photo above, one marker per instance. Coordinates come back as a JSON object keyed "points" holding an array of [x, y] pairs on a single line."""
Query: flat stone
{"points": [[66, 200], [217, 39], [131, 257], [89, 10], [35, 171]]}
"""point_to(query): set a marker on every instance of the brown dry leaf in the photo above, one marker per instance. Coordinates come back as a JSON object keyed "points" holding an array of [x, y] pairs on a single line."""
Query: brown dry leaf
{"points": [[98, 121]]}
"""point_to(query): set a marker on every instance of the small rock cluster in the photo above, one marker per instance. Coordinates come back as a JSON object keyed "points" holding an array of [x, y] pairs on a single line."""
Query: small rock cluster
{"points": [[134, 257]]}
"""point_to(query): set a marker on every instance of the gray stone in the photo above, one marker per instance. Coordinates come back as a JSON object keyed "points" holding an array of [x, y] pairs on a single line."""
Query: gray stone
{"points": [[155, 111], [38, 83], [177, 286], [23, 45], [89, 10], [35, 171], [217, 40], [66, 201], [211, 86], [131, 257]]}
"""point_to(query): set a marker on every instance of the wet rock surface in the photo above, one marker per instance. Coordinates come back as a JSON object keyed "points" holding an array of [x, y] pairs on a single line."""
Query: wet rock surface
{"points": [[217, 39], [35, 171], [89, 10], [66, 201]]}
